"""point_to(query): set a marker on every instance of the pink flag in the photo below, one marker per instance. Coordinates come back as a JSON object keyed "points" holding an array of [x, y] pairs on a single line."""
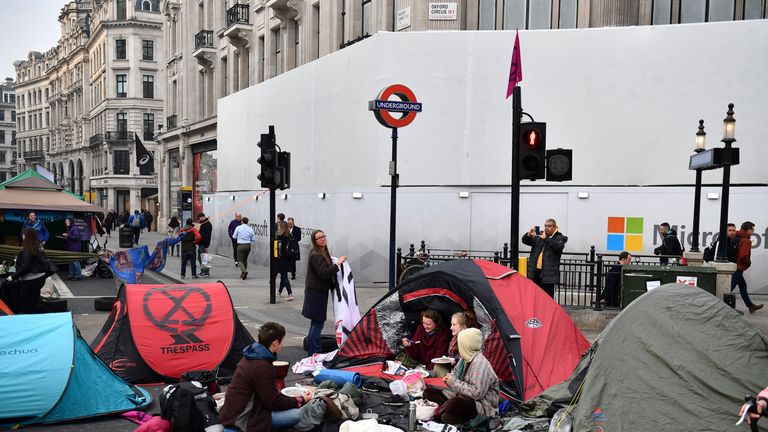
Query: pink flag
{"points": [[516, 68]]}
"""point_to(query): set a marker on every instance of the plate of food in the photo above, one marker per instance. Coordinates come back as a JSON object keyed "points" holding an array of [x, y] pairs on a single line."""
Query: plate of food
{"points": [[442, 360], [292, 391]]}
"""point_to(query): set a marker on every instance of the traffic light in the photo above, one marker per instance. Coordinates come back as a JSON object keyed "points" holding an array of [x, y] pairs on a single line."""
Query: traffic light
{"points": [[268, 159], [559, 165], [533, 148], [283, 180]]}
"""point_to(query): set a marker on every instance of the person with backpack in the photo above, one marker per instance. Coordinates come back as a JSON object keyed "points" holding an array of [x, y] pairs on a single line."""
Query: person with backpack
{"points": [[253, 387], [136, 222], [190, 237]]}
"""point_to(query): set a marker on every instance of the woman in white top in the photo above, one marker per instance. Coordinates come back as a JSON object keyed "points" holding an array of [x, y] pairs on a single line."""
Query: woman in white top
{"points": [[244, 235]]}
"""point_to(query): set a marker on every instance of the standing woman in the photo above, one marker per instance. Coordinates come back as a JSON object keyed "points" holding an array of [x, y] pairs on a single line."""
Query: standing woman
{"points": [[73, 245], [174, 227], [320, 275], [244, 236], [31, 269], [283, 264]]}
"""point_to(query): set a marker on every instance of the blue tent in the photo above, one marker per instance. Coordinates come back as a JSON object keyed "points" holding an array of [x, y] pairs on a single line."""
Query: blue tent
{"points": [[49, 374]]}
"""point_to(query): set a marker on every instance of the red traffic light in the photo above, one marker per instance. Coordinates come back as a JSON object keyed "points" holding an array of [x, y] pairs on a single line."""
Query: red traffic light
{"points": [[532, 138]]}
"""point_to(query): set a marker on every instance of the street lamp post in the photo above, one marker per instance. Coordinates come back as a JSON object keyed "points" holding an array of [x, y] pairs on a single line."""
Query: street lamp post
{"points": [[729, 157], [700, 146]]}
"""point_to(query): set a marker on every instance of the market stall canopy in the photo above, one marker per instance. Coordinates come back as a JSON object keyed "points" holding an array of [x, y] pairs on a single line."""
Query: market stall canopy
{"points": [[32, 191]]}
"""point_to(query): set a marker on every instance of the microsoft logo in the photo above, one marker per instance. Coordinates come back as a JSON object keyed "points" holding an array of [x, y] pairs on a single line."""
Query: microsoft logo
{"points": [[625, 234]]}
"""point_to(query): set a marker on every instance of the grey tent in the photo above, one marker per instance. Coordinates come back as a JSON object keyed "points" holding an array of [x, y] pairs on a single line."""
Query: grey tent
{"points": [[676, 359]]}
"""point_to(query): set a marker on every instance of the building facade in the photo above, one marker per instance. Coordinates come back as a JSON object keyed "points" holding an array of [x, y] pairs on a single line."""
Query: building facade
{"points": [[216, 48], [7, 130], [83, 100]]}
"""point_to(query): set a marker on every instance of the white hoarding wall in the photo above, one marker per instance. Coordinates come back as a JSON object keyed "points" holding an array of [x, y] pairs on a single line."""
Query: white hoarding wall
{"points": [[626, 100]]}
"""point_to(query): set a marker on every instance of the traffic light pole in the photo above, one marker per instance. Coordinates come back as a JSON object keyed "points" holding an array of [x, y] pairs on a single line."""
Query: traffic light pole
{"points": [[271, 227], [393, 212], [517, 115]]}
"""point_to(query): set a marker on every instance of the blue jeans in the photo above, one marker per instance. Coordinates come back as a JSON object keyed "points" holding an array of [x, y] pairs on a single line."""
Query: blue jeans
{"points": [[74, 270], [188, 256], [314, 343], [738, 279], [281, 419], [285, 283]]}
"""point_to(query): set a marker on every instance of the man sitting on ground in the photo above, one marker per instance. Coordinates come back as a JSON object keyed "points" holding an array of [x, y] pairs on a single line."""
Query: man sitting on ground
{"points": [[252, 402]]}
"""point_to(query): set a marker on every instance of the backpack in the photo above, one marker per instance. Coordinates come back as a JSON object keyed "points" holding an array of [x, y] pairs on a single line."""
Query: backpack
{"points": [[189, 408], [136, 222], [709, 252]]}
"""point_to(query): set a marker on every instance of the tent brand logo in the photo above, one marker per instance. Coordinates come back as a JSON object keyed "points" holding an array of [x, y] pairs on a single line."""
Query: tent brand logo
{"points": [[184, 315], [625, 234], [16, 351], [533, 323], [121, 364]]}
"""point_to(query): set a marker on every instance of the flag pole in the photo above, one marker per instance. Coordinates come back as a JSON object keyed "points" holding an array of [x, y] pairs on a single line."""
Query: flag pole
{"points": [[517, 114]]}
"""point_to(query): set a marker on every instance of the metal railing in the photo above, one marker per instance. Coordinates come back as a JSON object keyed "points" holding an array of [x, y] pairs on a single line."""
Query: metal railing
{"points": [[96, 139], [114, 136], [204, 39], [170, 121], [582, 274], [237, 14], [33, 154]]}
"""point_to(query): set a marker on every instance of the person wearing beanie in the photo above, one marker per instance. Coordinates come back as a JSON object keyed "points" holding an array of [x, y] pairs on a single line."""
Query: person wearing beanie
{"points": [[473, 387]]}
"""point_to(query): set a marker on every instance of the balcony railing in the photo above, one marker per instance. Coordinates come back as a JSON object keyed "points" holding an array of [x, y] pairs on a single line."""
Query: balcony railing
{"points": [[96, 139], [237, 14], [204, 38], [171, 122], [33, 154], [112, 136]]}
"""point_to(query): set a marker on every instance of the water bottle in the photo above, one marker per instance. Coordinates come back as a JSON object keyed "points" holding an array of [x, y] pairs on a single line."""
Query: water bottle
{"points": [[412, 416]]}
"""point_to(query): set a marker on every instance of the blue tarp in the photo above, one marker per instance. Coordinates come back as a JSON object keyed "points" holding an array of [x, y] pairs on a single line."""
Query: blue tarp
{"points": [[128, 265], [49, 374]]}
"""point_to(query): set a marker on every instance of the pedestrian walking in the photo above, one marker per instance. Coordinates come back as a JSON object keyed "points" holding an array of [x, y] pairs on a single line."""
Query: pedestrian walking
{"points": [[34, 223], [233, 224], [189, 238], [72, 244], [206, 230], [295, 239], [136, 222], [321, 273], [174, 227], [743, 262], [670, 244], [109, 222], [283, 260], [546, 248], [244, 236], [148, 218]]}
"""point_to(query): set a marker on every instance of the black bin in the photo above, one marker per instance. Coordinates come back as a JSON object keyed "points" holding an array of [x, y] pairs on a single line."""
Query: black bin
{"points": [[126, 237]]}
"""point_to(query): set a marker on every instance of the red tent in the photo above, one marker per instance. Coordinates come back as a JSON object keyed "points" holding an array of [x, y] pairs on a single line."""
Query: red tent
{"points": [[528, 338]]}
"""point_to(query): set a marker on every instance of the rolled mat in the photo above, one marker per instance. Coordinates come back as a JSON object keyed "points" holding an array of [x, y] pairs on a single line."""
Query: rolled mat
{"points": [[340, 377]]}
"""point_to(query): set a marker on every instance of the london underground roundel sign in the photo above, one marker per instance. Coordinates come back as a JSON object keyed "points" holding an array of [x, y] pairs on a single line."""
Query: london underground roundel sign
{"points": [[383, 108]]}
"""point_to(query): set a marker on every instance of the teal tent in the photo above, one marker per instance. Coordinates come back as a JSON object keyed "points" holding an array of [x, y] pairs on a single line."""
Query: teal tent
{"points": [[48, 374]]}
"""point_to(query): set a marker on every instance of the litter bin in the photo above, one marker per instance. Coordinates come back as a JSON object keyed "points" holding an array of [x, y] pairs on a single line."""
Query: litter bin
{"points": [[638, 279], [126, 237]]}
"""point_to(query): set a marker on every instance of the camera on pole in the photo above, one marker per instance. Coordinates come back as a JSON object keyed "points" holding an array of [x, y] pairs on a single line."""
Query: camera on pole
{"points": [[268, 159], [532, 144]]}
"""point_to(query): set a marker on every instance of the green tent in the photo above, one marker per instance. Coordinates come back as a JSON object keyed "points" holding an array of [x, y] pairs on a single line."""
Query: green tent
{"points": [[676, 359]]}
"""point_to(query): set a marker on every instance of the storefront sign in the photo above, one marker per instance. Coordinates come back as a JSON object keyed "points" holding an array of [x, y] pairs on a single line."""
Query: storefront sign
{"points": [[403, 18], [442, 10]]}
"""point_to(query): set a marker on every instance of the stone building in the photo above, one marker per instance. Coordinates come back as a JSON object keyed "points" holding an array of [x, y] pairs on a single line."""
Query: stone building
{"points": [[32, 111], [7, 130]]}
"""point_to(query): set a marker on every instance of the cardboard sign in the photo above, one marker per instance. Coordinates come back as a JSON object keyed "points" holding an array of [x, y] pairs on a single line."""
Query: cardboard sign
{"points": [[687, 280]]}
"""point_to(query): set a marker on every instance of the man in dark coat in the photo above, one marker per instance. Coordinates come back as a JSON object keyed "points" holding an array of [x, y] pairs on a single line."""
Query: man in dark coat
{"points": [[148, 218], [295, 238], [670, 244], [205, 229], [612, 291], [546, 249], [189, 237], [254, 383], [233, 224]]}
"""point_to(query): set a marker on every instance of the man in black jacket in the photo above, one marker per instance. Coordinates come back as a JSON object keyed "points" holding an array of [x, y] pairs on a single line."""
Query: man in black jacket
{"points": [[612, 291], [206, 229], [546, 249], [295, 238], [670, 245]]}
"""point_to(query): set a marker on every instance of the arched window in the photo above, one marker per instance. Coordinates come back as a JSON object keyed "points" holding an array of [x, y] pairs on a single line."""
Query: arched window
{"points": [[79, 177], [146, 5]]}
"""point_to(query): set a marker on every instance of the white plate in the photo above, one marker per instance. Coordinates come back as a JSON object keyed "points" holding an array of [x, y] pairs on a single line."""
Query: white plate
{"points": [[292, 391], [442, 360]]}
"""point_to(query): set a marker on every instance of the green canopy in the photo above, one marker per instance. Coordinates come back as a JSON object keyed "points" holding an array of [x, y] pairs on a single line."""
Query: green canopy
{"points": [[32, 180]]}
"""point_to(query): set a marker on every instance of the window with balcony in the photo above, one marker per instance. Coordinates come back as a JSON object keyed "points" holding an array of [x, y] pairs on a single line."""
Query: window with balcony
{"points": [[120, 49], [122, 126], [149, 127], [122, 86], [148, 86], [147, 50], [122, 164]]}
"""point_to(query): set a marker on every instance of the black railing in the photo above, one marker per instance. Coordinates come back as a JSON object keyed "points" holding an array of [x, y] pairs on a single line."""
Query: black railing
{"points": [[33, 154], [204, 39], [113, 136], [171, 122], [353, 41], [237, 14], [582, 274], [96, 139]]}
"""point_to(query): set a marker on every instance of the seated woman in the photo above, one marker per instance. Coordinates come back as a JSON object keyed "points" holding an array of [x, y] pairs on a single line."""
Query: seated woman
{"points": [[473, 385], [430, 340], [459, 322]]}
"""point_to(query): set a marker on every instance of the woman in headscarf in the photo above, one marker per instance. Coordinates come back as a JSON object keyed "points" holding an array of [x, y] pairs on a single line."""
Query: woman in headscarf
{"points": [[473, 385]]}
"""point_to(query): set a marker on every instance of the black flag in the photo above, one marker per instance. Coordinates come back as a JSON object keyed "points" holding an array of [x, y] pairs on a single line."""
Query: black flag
{"points": [[143, 156]]}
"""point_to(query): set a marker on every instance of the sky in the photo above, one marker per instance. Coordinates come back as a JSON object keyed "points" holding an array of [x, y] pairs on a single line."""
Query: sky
{"points": [[28, 25]]}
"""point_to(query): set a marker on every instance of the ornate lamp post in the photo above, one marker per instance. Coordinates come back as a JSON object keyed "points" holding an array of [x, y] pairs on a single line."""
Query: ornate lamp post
{"points": [[700, 146], [730, 157]]}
